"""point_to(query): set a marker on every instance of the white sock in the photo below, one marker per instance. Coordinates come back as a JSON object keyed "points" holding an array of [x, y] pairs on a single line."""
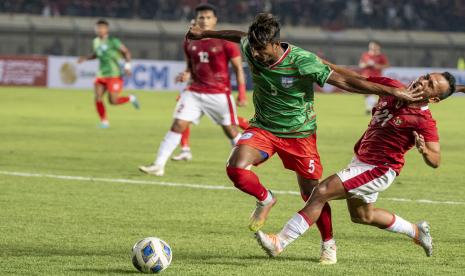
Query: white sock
{"points": [[329, 242], [186, 149], [268, 199], [293, 229], [132, 98], [236, 139], [167, 146], [402, 226]]}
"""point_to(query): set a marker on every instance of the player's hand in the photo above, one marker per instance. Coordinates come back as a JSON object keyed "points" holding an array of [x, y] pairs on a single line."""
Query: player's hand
{"points": [[241, 102], [420, 142], [194, 33], [127, 72], [410, 95], [182, 77]]}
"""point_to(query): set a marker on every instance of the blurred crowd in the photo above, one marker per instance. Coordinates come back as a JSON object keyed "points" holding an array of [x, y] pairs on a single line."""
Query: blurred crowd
{"points": [[439, 15]]}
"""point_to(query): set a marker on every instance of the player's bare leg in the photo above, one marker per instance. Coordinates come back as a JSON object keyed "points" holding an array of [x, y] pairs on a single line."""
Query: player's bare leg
{"points": [[99, 92], [167, 147], [232, 133], [328, 244], [331, 188], [367, 213], [116, 99], [238, 169]]}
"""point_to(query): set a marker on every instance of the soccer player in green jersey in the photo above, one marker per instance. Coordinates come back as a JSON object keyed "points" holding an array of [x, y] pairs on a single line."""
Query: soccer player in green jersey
{"points": [[109, 50], [284, 120]]}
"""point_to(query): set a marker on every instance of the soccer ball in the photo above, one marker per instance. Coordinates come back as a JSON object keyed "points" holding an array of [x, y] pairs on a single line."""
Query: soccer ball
{"points": [[151, 255]]}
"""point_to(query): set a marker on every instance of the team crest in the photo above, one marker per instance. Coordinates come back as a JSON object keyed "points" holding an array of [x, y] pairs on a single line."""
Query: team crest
{"points": [[287, 82], [398, 121], [246, 136]]}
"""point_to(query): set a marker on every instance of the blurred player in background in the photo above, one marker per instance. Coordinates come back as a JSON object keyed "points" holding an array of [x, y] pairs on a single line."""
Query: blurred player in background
{"points": [[208, 92], [372, 64], [285, 119], [243, 123], [109, 50], [395, 127]]}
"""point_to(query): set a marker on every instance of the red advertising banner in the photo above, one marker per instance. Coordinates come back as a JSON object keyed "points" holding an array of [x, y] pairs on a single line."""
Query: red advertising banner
{"points": [[23, 70]]}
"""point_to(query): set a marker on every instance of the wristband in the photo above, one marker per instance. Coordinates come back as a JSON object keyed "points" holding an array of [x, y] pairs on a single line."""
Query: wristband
{"points": [[127, 66]]}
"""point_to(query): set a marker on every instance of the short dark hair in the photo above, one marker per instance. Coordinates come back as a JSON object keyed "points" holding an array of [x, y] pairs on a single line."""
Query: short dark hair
{"points": [[102, 22], [205, 7], [452, 85], [264, 29]]}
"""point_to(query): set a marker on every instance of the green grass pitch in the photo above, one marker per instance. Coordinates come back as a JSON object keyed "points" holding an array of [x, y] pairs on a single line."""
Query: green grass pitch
{"points": [[52, 226]]}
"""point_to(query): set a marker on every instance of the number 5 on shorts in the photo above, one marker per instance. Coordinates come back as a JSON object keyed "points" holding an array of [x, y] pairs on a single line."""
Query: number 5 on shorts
{"points": [[311, 166]]}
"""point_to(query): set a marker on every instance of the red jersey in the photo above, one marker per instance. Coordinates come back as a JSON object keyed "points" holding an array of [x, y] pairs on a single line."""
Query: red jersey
{"points": [[390, 132], [372, 60], [209, 60]]}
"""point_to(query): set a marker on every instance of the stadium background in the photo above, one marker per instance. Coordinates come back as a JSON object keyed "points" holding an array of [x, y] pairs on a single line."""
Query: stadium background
{"points": [[48, 136]]}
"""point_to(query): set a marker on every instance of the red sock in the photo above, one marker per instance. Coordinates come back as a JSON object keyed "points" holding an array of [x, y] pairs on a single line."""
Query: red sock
{"points": [[185, 138], [122, 100], [325, 224], [243, 122], [101, 110], [247, 182]]}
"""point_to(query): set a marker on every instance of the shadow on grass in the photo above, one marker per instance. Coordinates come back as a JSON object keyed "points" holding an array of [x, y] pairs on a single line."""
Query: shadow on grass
{"points": [[106, 270]]}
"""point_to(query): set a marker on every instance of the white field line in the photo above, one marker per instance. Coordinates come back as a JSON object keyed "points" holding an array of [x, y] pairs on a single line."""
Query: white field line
{"points": [[192, 186]]}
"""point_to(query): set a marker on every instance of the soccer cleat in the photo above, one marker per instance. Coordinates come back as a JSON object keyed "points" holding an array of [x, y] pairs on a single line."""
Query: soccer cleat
{"points": [[328, 254], [153, 170], [270, 243], [134, 101], [423, 237], [185, 155], [104, 124], [259, 215]]}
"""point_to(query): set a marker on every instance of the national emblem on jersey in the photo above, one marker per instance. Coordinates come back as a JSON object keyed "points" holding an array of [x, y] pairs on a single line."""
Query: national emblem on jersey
{"points": [[398, 121], [287, 82]]}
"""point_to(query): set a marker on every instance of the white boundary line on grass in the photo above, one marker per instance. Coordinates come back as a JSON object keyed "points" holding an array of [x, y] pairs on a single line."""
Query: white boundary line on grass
{"points": [[192, 186]]}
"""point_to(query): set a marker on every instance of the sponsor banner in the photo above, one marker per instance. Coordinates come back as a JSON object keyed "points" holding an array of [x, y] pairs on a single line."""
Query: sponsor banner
{"points": [[23, 70], [64, 72]]}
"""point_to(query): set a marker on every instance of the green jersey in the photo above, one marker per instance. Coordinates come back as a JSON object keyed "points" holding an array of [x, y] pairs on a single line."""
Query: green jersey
{"points": [[283, 92], [109, 54]]}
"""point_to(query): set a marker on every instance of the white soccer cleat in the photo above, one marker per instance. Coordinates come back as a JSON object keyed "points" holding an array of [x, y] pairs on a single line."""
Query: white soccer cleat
{"points": [[424, 238], [153, 170], [185, 155], [328, 254], [270, 243], [104, 124]]}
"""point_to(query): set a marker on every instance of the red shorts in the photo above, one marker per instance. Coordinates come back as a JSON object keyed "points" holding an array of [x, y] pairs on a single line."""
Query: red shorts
{"points": [[111, 84], [298, 154]]}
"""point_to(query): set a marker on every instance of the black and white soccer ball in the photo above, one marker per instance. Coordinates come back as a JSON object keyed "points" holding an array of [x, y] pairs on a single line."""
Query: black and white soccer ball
{"points": [[151, 255]]}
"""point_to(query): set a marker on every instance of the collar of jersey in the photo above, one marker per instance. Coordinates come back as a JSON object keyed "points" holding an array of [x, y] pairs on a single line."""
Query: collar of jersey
{"points": [[283, 56]]}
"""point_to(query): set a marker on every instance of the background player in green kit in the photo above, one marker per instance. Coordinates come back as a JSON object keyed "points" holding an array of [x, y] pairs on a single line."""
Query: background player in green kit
{"points": [[284, 120], [109, 50]]}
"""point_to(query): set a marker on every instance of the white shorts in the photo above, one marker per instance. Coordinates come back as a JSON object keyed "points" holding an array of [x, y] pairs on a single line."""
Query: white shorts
{"points": [[221, 108], [365, 181]]}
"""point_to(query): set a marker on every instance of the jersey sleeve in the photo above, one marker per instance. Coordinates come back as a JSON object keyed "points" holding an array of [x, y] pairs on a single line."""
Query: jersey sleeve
{"points": [[428, 129], [311, 66], [117, 43], [231, 50]]}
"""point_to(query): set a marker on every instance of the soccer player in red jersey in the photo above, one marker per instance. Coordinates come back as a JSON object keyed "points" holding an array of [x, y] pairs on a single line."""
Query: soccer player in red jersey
{"points": [[209, 89], [379, 157], [108, 50], [372, 64]]}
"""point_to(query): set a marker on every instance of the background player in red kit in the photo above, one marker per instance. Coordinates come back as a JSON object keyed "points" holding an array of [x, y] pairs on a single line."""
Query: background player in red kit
{"points": [[372, 64], [209, 91], [379, 157]]}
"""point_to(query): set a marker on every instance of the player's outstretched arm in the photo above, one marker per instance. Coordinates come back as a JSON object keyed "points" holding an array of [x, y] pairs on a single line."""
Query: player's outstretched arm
{"points": [[127, 58], [343, 71], [431, 151], [196, 33], [361, 86], [460, 88], [84, 58]]}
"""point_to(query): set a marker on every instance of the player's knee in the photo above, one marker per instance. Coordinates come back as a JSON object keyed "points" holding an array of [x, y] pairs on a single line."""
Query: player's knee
{"points": [[113, 101], [321, 193], [178, 127]]}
